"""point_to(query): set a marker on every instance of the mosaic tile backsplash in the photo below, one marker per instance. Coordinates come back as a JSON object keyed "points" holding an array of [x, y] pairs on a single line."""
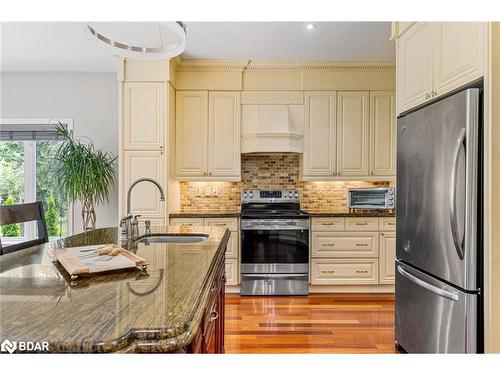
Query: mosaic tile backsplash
{"points": [[261, 171]]}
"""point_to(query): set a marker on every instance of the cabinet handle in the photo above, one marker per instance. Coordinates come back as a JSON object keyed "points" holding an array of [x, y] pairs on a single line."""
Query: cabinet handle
{"points": [[357, 271], [329, 244], [328, 224], [427, 96], [161, 146], [214, 315], [362, 244], [204, 173], [327, 271], [361, 223]]}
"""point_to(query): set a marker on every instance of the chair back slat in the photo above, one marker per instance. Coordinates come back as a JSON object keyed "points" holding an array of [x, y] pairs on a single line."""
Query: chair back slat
{"points": [[22, 213]]}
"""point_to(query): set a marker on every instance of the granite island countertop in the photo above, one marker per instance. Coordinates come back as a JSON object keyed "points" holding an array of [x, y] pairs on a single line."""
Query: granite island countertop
{"points": [[159, 310], [346, 213], [204, 213]]}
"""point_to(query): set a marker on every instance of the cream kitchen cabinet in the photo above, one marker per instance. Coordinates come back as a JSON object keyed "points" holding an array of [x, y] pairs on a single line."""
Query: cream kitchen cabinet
{"points": [[145, 198], [191, 134], [344, 271], [387, 261], [382, 155], [414, 61], [208, 126], [224, 134], [143, 114], [459, 54], [319, 156], [352, 132], [433, 59], [352, 250], [349, 134]]}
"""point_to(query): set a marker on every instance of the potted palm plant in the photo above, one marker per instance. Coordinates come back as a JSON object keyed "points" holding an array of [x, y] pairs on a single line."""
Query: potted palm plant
{"points": [[84, 174]]}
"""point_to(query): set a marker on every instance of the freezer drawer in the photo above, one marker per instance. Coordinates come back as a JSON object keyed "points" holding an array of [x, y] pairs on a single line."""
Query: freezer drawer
{"points": [[433, 317]]}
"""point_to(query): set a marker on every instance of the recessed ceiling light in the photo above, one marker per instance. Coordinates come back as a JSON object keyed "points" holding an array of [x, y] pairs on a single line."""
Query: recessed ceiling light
{"points": [[310, 26]]}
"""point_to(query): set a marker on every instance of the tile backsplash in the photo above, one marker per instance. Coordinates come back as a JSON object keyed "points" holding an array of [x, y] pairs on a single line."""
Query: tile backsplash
{"points": [[261, 171]]}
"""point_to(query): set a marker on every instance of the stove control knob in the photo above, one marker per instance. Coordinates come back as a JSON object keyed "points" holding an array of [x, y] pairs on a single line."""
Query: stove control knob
{"points": [[296, 195], [284, 195]]}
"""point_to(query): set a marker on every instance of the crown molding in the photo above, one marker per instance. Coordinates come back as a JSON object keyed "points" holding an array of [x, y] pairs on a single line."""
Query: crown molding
{"points": [[273, 66], [211, 66]]}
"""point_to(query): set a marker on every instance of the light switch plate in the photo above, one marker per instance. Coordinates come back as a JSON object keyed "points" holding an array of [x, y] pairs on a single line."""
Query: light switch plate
{"points": [[208, 191], [215, 191]]}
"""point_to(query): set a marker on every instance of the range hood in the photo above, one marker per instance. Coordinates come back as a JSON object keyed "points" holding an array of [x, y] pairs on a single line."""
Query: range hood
{"points": [[272, 128]]}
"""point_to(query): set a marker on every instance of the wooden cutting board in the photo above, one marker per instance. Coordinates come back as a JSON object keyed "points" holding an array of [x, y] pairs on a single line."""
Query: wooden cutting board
{"points": [[84, 260]]}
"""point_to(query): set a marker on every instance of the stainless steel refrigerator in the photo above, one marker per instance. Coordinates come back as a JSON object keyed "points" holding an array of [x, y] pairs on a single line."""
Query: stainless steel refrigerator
{"points": [[438, 235]]}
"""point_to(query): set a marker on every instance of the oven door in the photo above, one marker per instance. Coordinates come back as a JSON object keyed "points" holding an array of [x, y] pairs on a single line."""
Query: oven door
{"points": [[274, 246]]}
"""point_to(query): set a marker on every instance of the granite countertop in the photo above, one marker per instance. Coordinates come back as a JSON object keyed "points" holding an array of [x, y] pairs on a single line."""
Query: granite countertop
{"points": [[346, 213], [204, 213], [159, 310]]}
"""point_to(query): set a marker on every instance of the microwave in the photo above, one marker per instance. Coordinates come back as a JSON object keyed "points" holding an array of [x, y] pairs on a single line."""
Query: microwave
{"points": [[371, 199]]}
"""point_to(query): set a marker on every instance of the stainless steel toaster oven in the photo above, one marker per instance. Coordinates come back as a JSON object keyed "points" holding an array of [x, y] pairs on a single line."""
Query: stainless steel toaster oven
{"points": [[371, 198]]}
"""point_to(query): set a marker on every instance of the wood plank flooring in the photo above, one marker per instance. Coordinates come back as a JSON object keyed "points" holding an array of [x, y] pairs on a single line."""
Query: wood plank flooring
{"points": [[318, 323]]}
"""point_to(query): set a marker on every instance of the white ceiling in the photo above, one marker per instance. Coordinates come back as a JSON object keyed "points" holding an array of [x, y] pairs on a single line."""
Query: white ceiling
{"points": [[64, 46]]}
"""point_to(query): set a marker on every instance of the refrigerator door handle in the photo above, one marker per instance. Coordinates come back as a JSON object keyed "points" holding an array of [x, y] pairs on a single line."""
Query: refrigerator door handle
{"points": [[452, 195], [430, 287]]}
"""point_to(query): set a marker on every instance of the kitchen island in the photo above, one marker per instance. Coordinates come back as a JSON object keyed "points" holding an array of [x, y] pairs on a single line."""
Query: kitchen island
{"points": [[176, 305]]}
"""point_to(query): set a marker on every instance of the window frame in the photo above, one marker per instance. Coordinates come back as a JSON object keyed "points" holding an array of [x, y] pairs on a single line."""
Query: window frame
{"points": [[30, 175]]}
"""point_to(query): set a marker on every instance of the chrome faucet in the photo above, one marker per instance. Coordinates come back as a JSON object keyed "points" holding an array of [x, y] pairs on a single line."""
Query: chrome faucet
{"points": [[129, 222]]}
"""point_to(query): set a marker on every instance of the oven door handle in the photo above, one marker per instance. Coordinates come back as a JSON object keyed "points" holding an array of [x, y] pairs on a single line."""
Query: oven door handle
{"points": [[272, 275]]}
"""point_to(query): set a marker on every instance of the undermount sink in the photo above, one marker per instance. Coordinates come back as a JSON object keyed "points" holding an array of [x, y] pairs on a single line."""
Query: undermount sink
{"points": [[172, 238]]}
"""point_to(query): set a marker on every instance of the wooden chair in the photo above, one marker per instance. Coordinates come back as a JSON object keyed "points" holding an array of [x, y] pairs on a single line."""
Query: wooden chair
{"points": [[21, 213]]}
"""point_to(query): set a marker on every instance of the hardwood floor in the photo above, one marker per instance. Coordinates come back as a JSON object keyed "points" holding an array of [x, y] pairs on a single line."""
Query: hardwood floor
{"points": [[318, 323]]}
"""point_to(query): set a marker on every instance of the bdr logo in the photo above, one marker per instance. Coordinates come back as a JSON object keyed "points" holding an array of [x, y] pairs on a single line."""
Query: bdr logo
{"points": [[24, 346]]}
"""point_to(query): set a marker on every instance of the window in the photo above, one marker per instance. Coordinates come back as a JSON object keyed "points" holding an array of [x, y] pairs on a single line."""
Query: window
{"points": [[27, 174]]}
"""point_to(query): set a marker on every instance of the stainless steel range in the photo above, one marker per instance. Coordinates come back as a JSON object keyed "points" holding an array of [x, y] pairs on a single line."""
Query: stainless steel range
{"points": [[274, 243]]}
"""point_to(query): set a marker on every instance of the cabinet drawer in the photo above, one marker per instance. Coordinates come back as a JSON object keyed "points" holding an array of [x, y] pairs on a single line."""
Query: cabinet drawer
{"points": [[232, 277], [344, 271], [193, 221], [328, 224], [230, 223], [361, 224], [344, 245], [387, 224], [232, 250]]}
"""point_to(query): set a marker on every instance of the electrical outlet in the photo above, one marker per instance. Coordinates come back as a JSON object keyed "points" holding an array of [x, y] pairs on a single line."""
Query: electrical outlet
{"points": [[215, 191], [198, 191], [208, 191]]}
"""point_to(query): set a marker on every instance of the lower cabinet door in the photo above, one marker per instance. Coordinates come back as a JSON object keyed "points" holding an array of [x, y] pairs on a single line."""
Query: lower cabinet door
{"points": [[344, 271], [232, 246], [232, 276], [387, 264]]}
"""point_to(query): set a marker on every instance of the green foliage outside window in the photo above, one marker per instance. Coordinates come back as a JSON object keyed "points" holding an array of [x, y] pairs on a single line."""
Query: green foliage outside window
{"points": [[51, 217]]}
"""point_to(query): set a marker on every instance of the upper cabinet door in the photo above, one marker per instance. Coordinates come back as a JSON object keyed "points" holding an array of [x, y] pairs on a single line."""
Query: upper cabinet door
{"points": [[319, 134], [145, 198], [352, 133], [224, 134], [382, 133], [144, 116], [459, 54], [414, 66], [191, 133]]}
